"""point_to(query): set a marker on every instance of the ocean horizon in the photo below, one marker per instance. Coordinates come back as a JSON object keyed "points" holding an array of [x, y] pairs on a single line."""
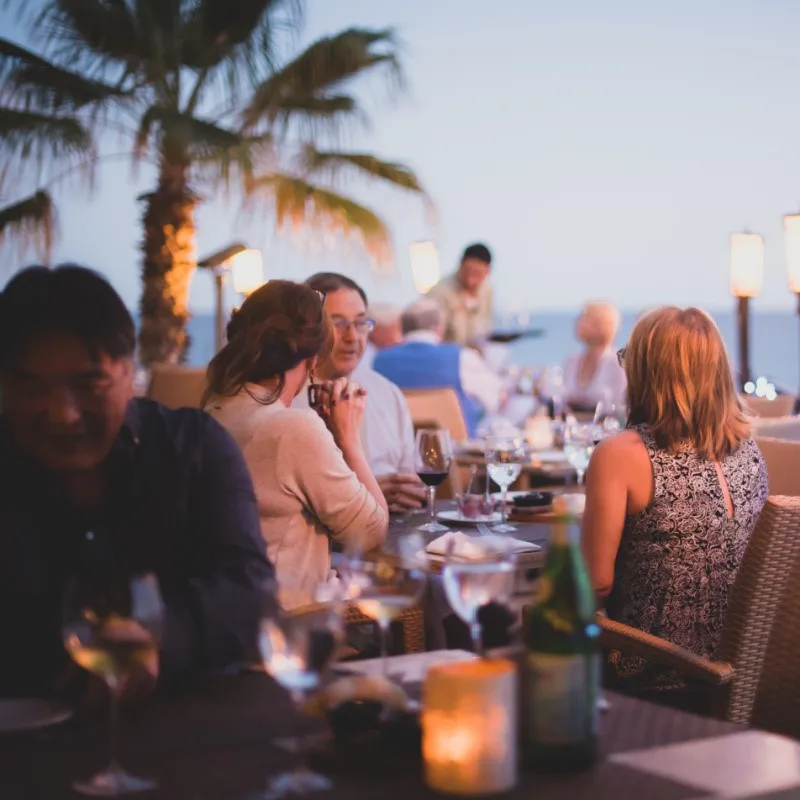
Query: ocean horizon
{"points": [[774, 341]]}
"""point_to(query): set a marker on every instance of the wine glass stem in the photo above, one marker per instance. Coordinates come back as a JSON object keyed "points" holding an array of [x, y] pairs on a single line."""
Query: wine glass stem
{"points": [[301, 739], [477, 641], [505, 501], [432, 503], [115, 690], [580, 477], [384, 627]]}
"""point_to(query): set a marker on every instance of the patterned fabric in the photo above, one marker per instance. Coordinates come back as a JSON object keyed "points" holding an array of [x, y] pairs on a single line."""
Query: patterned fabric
{"points": [[678, 557]]}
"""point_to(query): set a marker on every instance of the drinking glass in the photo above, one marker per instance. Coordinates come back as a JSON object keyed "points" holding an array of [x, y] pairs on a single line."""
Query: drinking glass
{"points": [[608, 417], [551, 389], [296, 647], [385, 582], [433, 455], [579, 443], [485, 576], [505, 456], [112, 627]]}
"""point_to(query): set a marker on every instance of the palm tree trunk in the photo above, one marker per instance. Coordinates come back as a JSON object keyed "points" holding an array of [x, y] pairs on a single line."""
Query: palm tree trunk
{"points": [[169, 259]]}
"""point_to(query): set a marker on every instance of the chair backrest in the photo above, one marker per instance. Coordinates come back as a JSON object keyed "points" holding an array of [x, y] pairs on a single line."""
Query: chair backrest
{"points": [[783, 465], [177, 387], [439, 406], [781, 406], [778, 428], [777, 704], [761, 586]]}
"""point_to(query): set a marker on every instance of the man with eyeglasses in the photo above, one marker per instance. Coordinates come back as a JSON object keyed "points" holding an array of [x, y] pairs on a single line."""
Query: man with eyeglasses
{"points": [[386, 430]]}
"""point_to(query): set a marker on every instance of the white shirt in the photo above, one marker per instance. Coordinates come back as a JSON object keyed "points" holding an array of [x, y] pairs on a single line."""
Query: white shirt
{"points": [[387, 432], [477, 378], [607, 383], [367, 360], [305, 490]]}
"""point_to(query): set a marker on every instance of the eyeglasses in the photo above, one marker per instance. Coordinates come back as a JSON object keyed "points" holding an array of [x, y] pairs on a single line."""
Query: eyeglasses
{"points": [[361, 326], [621, 356]]}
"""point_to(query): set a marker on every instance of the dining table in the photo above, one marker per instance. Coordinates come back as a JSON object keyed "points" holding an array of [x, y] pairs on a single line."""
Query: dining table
{"points": [[218, 739]]}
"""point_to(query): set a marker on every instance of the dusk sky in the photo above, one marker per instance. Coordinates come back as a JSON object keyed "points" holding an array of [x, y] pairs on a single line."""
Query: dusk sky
{"points": [[602, 150]]}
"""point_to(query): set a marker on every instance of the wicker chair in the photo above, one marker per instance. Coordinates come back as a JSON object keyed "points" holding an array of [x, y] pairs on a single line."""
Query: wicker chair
{"points": [[761, 588], [412, 620]]}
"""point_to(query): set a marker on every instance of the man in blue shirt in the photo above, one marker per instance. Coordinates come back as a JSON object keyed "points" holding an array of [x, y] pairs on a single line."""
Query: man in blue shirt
{"points": [[91, 475]]}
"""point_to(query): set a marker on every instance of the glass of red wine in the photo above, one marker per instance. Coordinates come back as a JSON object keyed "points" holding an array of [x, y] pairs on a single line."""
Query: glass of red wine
{"points": [[433, 455]]}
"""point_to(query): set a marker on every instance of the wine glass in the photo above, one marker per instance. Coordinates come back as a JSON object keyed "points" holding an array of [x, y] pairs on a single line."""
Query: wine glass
{"points": [[579, 443], [608, 417], [552, 389], [433, 455], [485, 576], [297, 645], [112, 627], [385, 582], [505, 456]]}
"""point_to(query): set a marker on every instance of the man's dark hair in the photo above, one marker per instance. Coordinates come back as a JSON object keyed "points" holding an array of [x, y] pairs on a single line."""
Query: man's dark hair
{"points": [[478, 251], [67, 299], [329, 282]]}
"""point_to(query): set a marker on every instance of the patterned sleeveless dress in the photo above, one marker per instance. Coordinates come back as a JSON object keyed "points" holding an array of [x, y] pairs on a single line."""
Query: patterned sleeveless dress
{"points": [[679, 556]]}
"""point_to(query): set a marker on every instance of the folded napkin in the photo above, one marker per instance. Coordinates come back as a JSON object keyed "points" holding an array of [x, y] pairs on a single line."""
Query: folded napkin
{"points": [[476, 546]]}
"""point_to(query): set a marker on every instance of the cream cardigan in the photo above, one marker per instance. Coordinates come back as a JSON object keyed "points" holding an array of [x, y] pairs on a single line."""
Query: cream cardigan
{"points": [[306, 493]]}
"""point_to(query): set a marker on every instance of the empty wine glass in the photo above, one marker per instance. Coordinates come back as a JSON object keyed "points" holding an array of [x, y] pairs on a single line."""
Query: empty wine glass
{"points": [[385, 582], [609, 417], [112, 627], [505, 456], [579, 443], [297, 646], [433, 455], [474, 579]]}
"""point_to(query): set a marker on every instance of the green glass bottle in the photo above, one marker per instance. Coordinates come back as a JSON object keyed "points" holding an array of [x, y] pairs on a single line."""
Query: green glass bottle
{"points": [[562, 660]]}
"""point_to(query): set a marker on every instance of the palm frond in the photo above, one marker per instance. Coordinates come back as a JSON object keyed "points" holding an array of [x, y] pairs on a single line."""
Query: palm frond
{"points": [[298, 203], [84, 31], [239, 31], [25, 134], [323, 67], [313, 162], [29, 224], [214, 150], [37, 83]]}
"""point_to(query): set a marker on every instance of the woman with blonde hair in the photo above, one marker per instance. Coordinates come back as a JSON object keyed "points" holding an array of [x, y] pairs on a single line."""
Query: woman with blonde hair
{"points": [[671, 502], [311, 476], [595, 374]]}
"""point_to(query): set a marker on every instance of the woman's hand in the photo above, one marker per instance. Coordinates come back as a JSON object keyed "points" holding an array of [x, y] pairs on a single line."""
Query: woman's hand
{"points": [[344, 411]]}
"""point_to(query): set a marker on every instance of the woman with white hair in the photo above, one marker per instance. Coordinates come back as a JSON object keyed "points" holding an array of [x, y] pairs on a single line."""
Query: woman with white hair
{"points": [[595, 374]]}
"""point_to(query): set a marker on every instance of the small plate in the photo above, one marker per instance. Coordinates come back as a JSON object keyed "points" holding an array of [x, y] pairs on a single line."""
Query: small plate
{"points": [[29, 713], [457, 518]]}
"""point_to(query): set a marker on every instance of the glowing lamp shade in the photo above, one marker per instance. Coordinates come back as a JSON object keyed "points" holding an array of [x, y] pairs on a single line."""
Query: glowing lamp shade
{"points": [[747, 264], [424, 266], [247, 271], [791, 233]]}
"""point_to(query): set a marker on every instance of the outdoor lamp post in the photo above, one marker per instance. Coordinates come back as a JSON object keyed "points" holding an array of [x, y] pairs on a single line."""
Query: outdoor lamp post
{"points": [[247, 269], [747, 276], [424, 266]]}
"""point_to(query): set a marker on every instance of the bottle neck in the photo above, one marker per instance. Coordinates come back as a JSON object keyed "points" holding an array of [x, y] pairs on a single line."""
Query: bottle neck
{"points": [[564, 534]]}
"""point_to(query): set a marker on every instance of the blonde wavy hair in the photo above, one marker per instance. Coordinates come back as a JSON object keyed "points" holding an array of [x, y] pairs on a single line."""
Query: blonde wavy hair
{"points": [[598, 324], [680, 384]]}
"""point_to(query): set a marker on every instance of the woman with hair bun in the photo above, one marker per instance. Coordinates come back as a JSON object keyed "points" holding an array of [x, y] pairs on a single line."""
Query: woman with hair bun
{"points": [[312, 479]]}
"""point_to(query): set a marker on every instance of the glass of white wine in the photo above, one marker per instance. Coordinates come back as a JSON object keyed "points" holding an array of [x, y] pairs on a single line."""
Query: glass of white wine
{"points": [[297, 646], [385, 582], [505, 456], [112, 628]]}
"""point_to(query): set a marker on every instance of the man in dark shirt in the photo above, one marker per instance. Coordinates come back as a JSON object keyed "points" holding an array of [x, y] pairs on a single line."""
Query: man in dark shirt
{"points": [[90, 475]]}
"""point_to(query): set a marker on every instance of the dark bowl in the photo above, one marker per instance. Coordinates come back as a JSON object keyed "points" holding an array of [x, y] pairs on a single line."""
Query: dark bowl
{"points": [[534, 500]]}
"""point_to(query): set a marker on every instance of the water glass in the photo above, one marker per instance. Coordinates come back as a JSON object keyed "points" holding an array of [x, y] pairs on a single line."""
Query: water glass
{"points": [[505, 456], [579, 443], [609, 417]]}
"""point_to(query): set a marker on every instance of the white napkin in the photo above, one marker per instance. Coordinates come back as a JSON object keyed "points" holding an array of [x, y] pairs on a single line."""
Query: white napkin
{"points": [[475, 546]]}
